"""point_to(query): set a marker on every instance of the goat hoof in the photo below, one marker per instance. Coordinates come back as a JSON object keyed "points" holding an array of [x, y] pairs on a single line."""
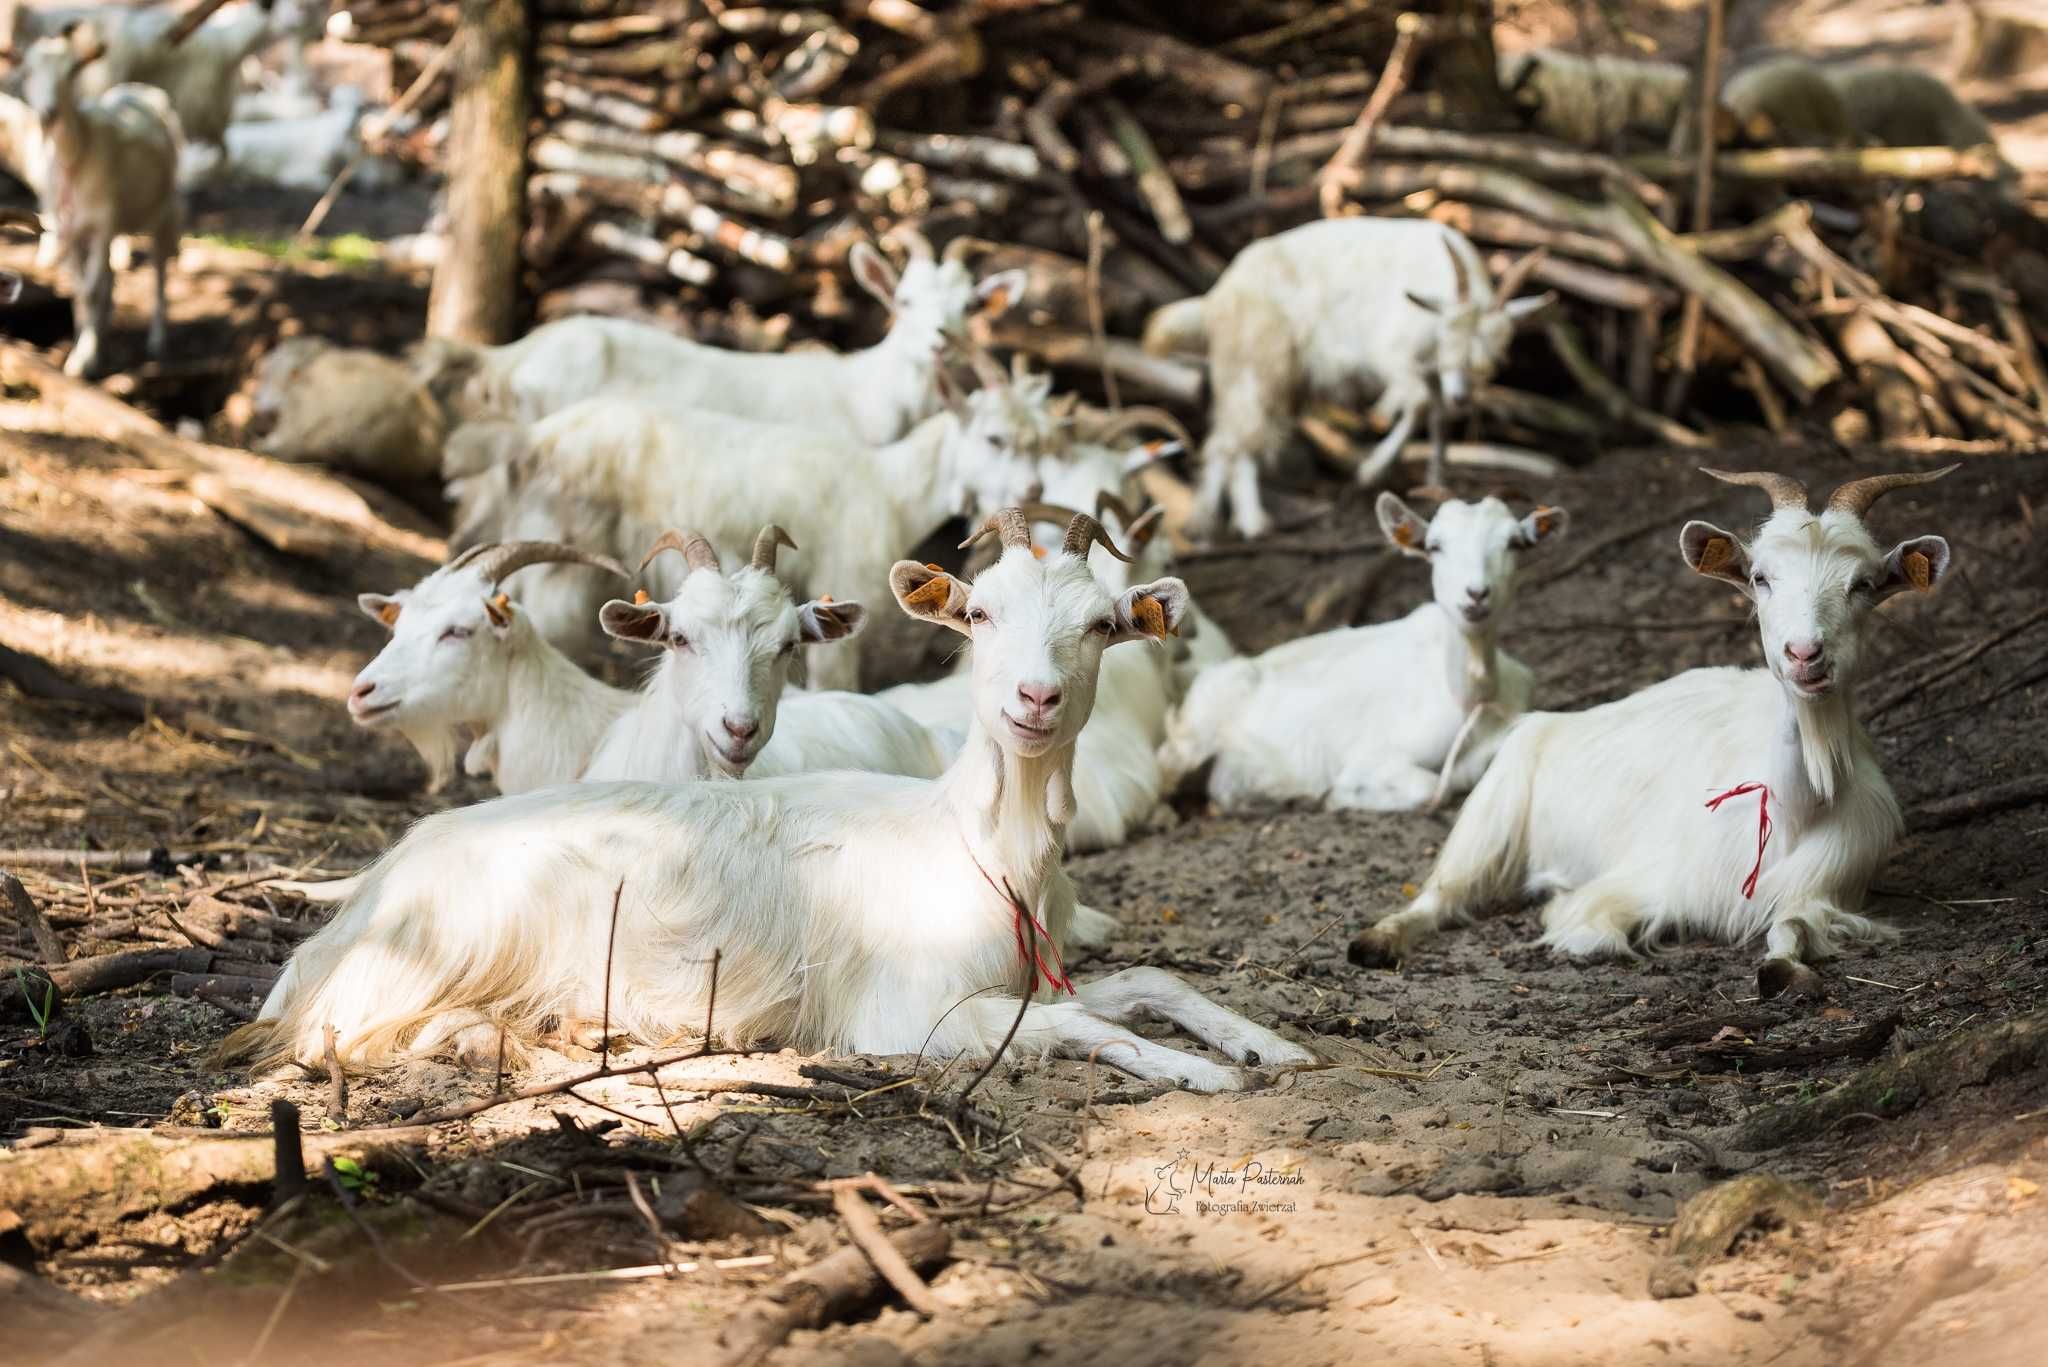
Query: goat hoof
{"points": [[1786, 977], [1375, 949]]}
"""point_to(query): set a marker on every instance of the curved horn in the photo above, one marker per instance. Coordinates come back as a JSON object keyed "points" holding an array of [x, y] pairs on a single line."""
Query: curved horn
{"points": [[1010, 524], [915, 242], [697, 552], [1785, 491], [1517, 274], [988, 371], [1857, 495], [1083, 531], [963, 248], [771, 537], [1464, 281], [1106, 500], [1142, 415], [500, 560], [1058, 514]]}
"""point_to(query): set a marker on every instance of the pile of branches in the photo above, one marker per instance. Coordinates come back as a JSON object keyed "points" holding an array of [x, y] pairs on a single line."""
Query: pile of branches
{"points": [[709, 165]]}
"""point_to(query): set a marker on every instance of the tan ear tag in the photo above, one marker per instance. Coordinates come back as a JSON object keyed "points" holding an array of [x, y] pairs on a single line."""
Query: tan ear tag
{"points": [[1150, 616], [1919, 570], [1546, 518], [997, 302], [639, 597], [824, 597], [388, 614], [1404, 534], [1716, 554], [1038, 552], [932, 594]]}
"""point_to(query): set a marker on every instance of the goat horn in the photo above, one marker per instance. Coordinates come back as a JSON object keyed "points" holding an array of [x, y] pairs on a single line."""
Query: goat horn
{"points": [[986, 368], [697, 552], [963, 247], [1517, 274], [1464, 281], [916, 243], [771, 537], [497, 562], [1106, 500], [1857, 495], [1145, 415], [1009, 524], [1059, 515], [1785, 491], [1083, 531]]}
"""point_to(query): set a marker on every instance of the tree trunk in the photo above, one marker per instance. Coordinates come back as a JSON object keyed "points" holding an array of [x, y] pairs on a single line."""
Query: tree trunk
{"points": [[1462, 69], [476, 286]]}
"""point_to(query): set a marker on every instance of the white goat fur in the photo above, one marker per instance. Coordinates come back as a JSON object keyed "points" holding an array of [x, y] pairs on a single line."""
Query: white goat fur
{"points": [[109, 166], [610, 473], [876, 394], [855, 916], [1364, 718], [1329, 310], [350, 408], [1606, 808], [458, 659]]}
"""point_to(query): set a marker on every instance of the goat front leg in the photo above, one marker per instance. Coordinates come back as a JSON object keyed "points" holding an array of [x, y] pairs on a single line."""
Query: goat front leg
{"points": [[1372, 471], [1436, 441], [1071, 1030], [1153, 992], [1383, 784], [163, 247], [89, 279]]}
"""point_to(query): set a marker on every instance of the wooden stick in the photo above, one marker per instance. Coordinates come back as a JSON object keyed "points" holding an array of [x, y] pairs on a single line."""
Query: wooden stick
{"points": [[1341, 174], [1155, 182], [337, 1080], [1612, 398], [194, 17], [1692, 311], [866, 1232], [1071, 349], [1840, 165], [49, 945], [820, 1293]]}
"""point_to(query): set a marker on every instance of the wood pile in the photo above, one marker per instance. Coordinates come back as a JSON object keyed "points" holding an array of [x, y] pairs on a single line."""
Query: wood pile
{"points": [[708, 165]]}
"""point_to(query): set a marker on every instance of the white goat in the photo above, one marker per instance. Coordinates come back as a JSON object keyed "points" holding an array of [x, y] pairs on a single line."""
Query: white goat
{"points": [[876, 395], [1366, 718], [346, 407], [1616, 810], [111, 165], [463, 655], [612, 472], [1398, 309], [875, 914]]}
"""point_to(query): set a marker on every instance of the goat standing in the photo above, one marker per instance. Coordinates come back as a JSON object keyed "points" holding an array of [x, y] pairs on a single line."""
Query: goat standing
{"points": [[1396, 309], [1635, 814]]}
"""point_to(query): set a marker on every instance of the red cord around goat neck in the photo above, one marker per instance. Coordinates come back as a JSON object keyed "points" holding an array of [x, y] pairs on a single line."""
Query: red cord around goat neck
{"points": [[1763, 826], [1030, 954]]}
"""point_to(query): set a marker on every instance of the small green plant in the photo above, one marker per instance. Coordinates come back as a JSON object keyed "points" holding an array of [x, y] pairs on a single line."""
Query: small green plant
{"points": [[1890, 1095], [353, 1175], [42, 1013], [352, 250]]}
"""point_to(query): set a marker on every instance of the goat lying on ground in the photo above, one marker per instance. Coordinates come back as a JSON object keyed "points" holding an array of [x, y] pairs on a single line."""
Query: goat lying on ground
{"points": [[876, 395], [464, 655], [353, 409], [873, 914], [110, 167], [1616, 809], [611, 473], [1296, 316], [1366, 718]]}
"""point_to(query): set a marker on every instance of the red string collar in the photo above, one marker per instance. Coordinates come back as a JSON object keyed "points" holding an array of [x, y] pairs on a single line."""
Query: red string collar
{"points": [[1033, 956], [1763, 826]]}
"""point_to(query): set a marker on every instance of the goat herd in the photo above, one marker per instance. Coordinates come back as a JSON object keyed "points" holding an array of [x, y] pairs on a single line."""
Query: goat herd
{"points": [[886, 876]]}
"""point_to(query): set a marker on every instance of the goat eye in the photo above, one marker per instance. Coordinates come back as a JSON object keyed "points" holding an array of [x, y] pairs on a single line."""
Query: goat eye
{"points": [[1104, 627], [1759, 581], [975, 616], [678, 642], [456, 634]]}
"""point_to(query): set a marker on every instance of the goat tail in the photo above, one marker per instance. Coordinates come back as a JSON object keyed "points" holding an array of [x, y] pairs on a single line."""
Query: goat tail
{"points": [[1179, 326], [1485, 857]]}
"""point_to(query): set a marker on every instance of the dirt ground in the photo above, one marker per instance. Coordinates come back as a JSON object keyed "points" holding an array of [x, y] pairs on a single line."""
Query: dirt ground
{"points": [[1484, 1173]]}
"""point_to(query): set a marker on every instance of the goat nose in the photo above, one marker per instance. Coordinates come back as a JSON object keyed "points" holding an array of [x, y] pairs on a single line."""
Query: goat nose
{"points": [[742, 728], [1044, 697], [1802, 652], [1480, 594], [361, 692]]}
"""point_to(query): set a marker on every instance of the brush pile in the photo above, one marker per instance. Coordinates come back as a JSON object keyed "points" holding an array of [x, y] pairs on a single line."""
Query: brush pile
{"points": [[708, 166]]}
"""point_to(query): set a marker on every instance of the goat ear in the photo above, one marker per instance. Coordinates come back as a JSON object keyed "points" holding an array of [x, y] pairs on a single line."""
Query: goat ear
{"points": [[1540, 526], [823, 620], [1426, 305], [930, 594], [1918, 564], [1528, 306], [1715, 553], [999, 292], [1150, 612], [1405, 530], [633, 621], [498, 612], [873, 272], [380, 608]]}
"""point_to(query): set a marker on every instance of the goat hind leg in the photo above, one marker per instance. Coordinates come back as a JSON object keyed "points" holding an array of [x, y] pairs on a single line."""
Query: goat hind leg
{"points": [[1372, 471], [1387, 942], [1138, 992]]}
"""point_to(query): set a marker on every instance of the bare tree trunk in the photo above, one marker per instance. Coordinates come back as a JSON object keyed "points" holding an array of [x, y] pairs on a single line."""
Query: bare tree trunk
{"points": [[476, 286], [1462, 66]]}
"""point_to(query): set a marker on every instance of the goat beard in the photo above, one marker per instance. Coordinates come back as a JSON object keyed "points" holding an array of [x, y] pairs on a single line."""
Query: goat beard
{"points": [[437, 747]]}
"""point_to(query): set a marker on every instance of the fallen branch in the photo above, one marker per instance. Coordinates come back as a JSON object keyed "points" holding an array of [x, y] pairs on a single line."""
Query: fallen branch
{"points": [[822, 1293], [866, 1232], [1342, 173], [49, 945]]}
